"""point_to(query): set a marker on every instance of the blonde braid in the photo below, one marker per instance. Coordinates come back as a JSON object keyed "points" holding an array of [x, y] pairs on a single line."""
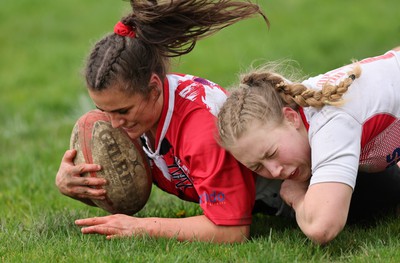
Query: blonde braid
{"points": [[261, 96], [332, 95], [328, 95]]}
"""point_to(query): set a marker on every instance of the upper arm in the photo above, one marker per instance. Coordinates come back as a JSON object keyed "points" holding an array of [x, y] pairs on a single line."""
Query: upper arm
{"points": [[335, 140]]}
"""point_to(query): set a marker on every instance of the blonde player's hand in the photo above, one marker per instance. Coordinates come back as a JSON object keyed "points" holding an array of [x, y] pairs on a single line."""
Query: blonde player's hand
{"points": [[291, 191]]}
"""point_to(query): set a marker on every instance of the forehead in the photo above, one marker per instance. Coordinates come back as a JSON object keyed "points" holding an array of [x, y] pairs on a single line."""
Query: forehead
{"points": [[259, 139], [253, 140], [112, 98]]}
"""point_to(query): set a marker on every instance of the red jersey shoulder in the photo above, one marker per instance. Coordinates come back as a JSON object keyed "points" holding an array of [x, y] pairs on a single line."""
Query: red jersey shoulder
{"points": [[202, 92]]}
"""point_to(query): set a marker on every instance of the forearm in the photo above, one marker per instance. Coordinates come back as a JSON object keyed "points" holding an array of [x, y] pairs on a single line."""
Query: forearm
{"points": [[196, 228], [315, 226], [322, 212]]}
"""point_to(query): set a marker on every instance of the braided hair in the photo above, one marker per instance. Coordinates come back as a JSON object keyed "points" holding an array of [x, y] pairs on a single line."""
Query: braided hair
{"points": [[162, 29], [262, 94]]}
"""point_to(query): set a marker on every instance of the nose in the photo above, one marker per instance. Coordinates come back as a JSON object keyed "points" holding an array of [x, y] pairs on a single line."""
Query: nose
{"points": [[274, 168], [116, 121]]}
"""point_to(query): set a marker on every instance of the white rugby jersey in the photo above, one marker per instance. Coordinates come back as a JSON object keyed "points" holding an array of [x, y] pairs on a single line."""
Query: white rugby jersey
{"points": [[362, 134]]}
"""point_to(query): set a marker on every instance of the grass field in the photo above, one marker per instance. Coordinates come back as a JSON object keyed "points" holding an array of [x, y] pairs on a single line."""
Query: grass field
{"points": [[43, 45]]}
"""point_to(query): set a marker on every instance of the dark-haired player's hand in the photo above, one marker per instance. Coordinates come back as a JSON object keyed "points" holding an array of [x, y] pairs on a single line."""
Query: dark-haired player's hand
{"points": [[70, 181]]}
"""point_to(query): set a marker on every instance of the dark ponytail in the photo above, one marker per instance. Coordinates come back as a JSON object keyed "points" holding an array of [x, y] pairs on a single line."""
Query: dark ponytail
{"points": [[162, 29]]}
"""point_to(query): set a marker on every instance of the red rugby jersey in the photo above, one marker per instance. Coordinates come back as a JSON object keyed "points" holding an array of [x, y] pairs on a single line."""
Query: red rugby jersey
{"points": [[189, 163]]}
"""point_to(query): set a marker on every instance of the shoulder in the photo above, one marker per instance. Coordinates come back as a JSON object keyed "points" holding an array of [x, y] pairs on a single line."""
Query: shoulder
{"points": [[197, 92], [331, 120]]}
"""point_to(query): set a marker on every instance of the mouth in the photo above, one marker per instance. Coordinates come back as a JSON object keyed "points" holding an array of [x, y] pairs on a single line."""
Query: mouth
{"points": [[294, 174], [130, 129]]}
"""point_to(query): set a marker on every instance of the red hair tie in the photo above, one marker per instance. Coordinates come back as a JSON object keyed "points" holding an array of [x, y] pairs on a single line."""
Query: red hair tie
{"points": [[124, 30]]}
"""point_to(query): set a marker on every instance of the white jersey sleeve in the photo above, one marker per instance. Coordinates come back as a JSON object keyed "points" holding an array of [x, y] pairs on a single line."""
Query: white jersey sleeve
{"points": [[362, 133], [335, 141]]}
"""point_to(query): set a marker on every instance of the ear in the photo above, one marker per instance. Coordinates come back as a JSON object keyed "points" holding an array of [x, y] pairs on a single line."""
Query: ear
{"points": [[292, 117], [156, 86]]}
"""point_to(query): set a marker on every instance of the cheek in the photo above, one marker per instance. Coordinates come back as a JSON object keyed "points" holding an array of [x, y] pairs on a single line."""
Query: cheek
{"points": [[264, 173], [299, 144], [293, 151], [148, 112], [147, 118], [139, 114], [304, 147], [132, 116]]}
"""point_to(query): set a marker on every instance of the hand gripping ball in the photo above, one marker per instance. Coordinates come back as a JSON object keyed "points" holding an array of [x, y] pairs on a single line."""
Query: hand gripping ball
{"points": [[123, 161]]}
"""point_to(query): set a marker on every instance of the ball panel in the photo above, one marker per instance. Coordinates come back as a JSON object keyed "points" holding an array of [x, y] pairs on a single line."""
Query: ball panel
{"points": [[124, 163], [86, 123]]}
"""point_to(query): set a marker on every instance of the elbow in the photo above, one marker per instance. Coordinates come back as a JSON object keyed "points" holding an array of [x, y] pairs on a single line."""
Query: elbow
{"points": [[324, 232], [235, 240], [243, 237], [239, 234]]}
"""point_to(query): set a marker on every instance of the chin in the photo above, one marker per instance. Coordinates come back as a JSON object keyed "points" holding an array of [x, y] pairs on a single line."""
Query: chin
{"points": [[305, 178], [133, 135], [302, 180]]}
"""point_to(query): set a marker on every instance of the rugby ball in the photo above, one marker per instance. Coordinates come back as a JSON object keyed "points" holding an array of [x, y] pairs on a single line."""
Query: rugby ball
{"points": [[123, 161]]}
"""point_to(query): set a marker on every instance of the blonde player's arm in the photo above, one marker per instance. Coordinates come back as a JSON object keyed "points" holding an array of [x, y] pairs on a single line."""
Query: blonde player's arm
{"points": [[321, 210]]}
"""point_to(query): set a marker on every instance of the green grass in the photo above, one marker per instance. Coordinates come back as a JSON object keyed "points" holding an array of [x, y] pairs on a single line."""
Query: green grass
{"points": [[43, 45]]}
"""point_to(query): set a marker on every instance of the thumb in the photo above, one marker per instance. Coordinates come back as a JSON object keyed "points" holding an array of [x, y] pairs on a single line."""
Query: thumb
{"points": [[69, 155]]}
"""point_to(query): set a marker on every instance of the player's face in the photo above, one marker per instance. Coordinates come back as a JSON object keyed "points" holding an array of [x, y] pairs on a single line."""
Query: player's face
{"points": [[276, 151], [135, 114]]}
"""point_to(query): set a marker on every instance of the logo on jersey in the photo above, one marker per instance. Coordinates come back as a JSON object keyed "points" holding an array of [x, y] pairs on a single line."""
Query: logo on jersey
{"points": [[179, 175], [213, 198], [380, 147], [393, 158], [176, 169]]}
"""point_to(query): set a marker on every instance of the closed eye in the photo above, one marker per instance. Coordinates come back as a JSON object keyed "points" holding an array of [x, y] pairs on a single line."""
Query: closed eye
{"points": [[123, 111], [272, 155], [119, 111], [255, 168]]}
